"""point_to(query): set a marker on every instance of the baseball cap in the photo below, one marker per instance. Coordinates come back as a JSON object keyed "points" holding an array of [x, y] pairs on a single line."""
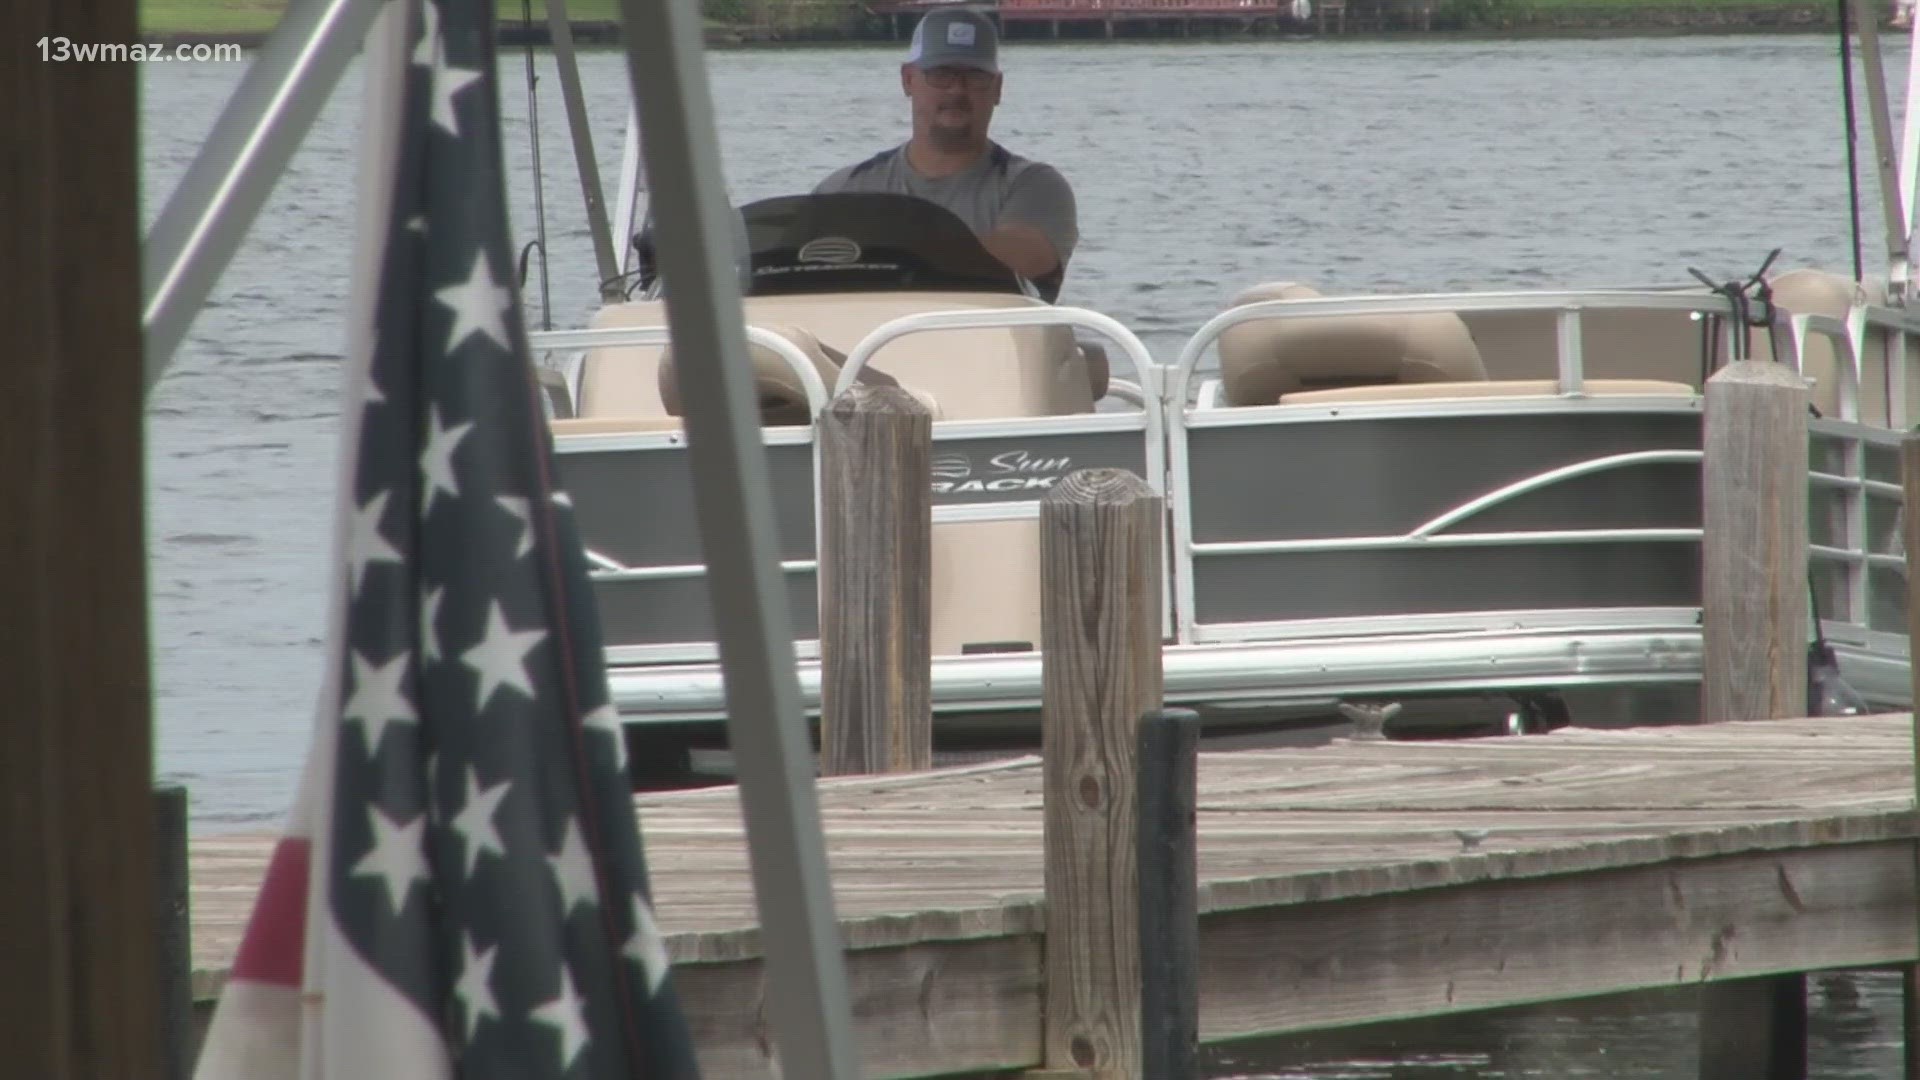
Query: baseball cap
{"points": [[961, 37]]}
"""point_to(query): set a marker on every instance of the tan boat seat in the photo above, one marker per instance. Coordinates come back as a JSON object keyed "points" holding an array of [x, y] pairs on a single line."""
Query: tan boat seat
{"points": [[1821, 292], [985, 584], [1503, 388], [613, 425], [1266, 361]]}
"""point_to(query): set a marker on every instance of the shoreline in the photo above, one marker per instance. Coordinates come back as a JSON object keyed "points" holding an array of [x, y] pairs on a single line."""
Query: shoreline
{"points": [[1678, 19]]}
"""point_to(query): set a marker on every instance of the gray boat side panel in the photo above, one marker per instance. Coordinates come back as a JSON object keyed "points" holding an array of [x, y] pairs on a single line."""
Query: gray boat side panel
{"points": [[1887, 599], [636, 506], [1357, 477], [1883, 463], [678, 611], [1419, 581], [1021, 468]]}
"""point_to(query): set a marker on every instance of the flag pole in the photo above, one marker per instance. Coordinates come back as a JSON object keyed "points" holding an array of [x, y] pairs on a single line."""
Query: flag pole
{"points": [[812, 1021]]}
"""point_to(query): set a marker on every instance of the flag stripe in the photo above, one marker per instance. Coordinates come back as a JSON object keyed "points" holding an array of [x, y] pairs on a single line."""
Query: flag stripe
{"points": [[274, 948]]}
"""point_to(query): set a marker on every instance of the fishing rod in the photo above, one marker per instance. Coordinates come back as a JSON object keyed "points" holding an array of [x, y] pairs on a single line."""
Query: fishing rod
{"points": [[539, 203]]}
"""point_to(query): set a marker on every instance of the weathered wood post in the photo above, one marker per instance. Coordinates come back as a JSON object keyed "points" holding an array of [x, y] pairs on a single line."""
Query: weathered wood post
{"points": [[173, 930], [1755, 629], [876, 609], [1910, 538], [1754, 580], [76, 732], [1168, 788], [1100, 580]]}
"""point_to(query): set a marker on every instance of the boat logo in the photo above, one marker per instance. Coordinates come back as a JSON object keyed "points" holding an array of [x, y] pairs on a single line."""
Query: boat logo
{"points": [[951, 467], [1008, 472], [830, 249]]}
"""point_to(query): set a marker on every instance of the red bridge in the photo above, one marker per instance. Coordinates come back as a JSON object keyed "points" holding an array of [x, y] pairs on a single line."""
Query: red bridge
{"points": [[1296, 13]]}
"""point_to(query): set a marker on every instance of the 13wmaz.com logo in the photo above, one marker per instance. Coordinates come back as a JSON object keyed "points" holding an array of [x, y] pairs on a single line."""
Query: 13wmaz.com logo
{"points": [[62, 50]]}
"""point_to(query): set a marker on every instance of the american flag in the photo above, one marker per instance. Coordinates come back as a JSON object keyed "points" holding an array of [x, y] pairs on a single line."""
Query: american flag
{"points": [[461, 890]]}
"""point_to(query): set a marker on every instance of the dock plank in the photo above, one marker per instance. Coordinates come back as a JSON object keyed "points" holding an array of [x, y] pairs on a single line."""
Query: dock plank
{"points": [[1413, 878]]}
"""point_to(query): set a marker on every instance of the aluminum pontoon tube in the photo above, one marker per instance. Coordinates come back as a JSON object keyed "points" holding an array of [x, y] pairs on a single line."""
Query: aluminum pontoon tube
{"points": [[1306, 669]]}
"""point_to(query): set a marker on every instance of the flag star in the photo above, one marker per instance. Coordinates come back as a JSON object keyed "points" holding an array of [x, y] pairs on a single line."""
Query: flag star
{"points": [[378, 699], [417, 224], [396, 859], [448, 81], [436, 460], [365, 545], [427, 50], [500, 659], [561, 498], [474, 823], [478, 304], [606, 721], [474, 988], [429, 630], [523, 513], [566, 1014], [646, 946], [573, 872]]}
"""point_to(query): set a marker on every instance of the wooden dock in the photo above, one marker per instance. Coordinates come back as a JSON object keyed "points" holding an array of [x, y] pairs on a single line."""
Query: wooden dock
{"points": [[1356, 882]]}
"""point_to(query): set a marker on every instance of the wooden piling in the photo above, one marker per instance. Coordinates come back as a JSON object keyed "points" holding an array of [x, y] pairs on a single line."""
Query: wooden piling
{"points": [[876, 552], [1754, 579], [1168, 788], [1100, 567], [173, 929], [1756, 633], [76, 772]]}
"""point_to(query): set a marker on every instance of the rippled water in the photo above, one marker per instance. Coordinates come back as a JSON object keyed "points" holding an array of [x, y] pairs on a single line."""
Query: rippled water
{"points": [[1200, 168]]}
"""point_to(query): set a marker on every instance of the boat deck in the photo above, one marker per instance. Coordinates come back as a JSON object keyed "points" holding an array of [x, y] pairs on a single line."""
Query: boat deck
{"points": [[1339, 884]]}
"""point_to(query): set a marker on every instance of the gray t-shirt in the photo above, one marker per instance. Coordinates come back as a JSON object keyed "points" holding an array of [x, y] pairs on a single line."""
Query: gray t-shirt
{"points": [[1001, 187]]}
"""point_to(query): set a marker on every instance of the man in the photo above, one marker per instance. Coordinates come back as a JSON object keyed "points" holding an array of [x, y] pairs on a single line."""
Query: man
{"points": [[1022, 210]]}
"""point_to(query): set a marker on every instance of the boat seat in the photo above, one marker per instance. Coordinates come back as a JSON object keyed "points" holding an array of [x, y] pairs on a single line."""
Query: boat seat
{"points": [[1819, 292], [613, 425], [1264, 362], [1502, 388], [781, 394], [985, 585]]}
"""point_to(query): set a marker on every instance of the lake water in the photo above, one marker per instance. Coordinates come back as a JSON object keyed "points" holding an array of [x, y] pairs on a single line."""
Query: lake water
{"points": [[1200, 168]]}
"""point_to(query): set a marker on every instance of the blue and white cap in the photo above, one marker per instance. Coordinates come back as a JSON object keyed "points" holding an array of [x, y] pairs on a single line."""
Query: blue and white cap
{"points": [[955, 37]]}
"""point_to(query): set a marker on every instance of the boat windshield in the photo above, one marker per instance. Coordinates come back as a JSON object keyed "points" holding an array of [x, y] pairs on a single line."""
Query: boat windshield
{"points": [[847, 242]]}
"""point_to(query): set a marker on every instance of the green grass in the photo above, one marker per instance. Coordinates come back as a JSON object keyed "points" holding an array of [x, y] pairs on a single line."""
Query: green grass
{"points": [[215, 17]]}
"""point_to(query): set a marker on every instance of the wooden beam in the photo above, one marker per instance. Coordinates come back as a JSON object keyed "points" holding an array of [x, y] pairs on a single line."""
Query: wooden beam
{"points": [[1100, 559], [876, 570], [35, 1021], [1754, 598], [95, 586]]}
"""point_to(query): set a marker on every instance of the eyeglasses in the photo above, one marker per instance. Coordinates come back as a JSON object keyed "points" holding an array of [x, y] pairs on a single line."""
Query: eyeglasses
{"points": [[946, 78]]}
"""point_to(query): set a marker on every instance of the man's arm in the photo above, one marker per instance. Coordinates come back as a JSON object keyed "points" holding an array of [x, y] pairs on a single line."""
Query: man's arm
{"points": [[1025, 249], [1038, 227]]}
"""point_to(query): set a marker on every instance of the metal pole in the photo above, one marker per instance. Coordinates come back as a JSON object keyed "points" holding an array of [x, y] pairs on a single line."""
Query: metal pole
{"points": [[562, 33], [1910, 148], [1866, 16], [632, 181], [263, 124], [811, 1019]]}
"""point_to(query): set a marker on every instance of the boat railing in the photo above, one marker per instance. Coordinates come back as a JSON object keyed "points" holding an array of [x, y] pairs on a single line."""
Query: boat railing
{"points": [[1568, 306], [581, 342], [998, 318]]}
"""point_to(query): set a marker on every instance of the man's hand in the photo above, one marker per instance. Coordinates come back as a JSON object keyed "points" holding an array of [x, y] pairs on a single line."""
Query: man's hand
{"points": [[1025, 250]]}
